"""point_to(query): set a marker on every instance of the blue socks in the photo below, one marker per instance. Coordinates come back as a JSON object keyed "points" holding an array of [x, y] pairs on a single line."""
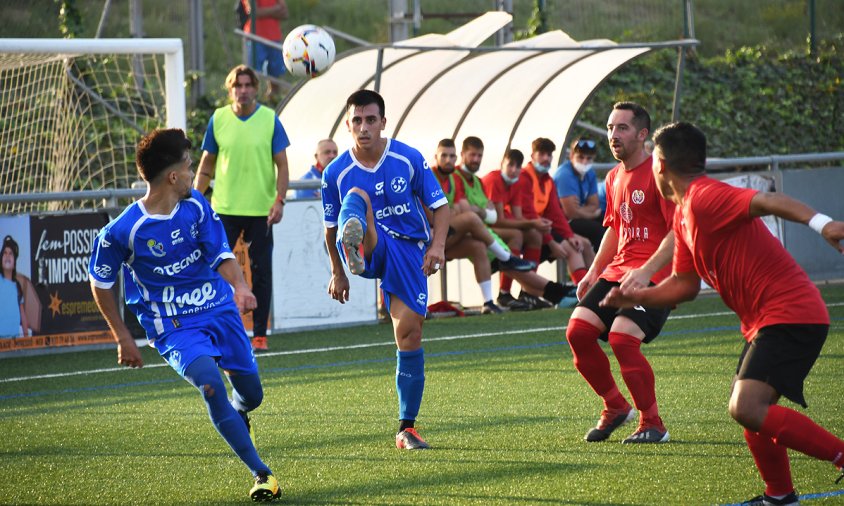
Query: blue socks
{"points": [[247, 392], [410, 382], [353, 205], [205, 376]]}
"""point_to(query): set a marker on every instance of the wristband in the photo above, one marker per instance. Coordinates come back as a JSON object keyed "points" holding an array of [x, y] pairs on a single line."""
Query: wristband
{"points": [[818, 222], [280, 200], [491, 216]]}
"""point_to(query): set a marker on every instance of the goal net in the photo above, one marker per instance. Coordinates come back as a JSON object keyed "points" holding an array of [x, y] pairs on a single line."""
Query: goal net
{"points": [[72, 110]]}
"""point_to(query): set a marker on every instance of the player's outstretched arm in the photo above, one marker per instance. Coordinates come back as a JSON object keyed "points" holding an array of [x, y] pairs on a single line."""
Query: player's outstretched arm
{"points": [[243, 296], [788, 208], [673, 290], [127, 351], [833, 232]]}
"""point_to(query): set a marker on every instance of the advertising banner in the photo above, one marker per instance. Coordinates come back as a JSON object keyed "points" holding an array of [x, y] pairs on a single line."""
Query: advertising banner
{"points": [[56, 307]]}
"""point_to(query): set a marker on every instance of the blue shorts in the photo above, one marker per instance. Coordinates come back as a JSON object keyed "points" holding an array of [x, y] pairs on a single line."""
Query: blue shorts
{"points": [[219, 334], [270, 56], [398, 264]]}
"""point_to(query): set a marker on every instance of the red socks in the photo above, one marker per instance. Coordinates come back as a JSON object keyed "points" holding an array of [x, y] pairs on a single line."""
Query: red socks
{"points": [[577, 275], [638, 376], [533, 255], [794, 430], [772, 462], [592, 363]]}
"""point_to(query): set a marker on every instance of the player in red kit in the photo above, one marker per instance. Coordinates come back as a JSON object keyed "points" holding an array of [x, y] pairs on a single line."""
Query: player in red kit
{"points": [[783, 317], [635, 251]]}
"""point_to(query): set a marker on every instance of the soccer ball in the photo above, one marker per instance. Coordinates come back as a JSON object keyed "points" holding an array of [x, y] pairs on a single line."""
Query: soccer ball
{"points": [[308, 51]]}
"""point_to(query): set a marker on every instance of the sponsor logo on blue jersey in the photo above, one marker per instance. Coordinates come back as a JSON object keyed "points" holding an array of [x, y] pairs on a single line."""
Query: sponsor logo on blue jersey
{"points": [[156, 248], [178, 266], [198, 297], [396, 210]]}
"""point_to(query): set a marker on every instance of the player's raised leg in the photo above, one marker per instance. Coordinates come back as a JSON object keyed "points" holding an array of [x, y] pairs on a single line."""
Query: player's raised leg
{"points": [[357, 229]]}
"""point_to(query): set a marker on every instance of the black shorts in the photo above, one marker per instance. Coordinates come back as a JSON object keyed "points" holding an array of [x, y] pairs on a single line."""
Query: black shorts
{"points": [[782, 356], [649, 319]]}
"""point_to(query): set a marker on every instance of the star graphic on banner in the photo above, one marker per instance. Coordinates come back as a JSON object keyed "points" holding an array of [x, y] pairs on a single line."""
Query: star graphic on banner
{"points": [[55, 303]]}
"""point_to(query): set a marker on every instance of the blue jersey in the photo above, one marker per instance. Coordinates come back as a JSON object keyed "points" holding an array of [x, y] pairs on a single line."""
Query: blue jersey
{"points": [[570, 183], [169, 263], [398, 186], [312, 174]]}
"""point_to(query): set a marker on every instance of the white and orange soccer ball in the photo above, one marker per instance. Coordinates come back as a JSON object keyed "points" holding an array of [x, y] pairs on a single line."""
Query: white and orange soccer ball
{"points": [[308, 51]]}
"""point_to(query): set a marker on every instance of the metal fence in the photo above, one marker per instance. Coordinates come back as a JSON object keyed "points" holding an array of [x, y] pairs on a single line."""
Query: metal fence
{"points": [[778, 24]]}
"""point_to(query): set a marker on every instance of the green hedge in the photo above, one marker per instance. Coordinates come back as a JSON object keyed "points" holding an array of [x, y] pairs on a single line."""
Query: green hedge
{"points": [[749, 102]]}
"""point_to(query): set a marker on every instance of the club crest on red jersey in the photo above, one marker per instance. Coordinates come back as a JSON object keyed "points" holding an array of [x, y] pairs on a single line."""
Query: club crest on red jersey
{"points": [[638, 196]]}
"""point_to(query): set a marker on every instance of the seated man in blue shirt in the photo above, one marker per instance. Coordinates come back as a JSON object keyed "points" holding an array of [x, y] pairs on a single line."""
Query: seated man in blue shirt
{"points": [[326, 152], [578, 191]]}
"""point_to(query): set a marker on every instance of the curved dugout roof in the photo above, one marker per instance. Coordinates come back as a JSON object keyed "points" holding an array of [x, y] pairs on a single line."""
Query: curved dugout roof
{"points": [[505, 97]]}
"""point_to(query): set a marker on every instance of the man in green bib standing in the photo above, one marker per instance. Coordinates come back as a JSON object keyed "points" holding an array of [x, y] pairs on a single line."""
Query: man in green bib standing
{"points": [[244, 152]]}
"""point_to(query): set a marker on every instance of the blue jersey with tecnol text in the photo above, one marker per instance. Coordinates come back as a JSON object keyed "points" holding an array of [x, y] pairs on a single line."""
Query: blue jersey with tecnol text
{"points": [[169, 263], [398, 187]]}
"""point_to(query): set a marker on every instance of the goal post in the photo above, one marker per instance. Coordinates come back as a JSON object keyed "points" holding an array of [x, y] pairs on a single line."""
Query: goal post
{"points": [[71, 111]]}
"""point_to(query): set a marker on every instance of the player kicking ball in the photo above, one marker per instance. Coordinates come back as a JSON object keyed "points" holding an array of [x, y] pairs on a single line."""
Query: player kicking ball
{"points": [[374, 194], [718, 237], [178, 277]]}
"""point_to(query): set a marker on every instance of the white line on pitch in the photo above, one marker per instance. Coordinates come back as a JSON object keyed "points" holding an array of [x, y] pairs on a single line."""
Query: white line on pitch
{"points": [[354, 347]]}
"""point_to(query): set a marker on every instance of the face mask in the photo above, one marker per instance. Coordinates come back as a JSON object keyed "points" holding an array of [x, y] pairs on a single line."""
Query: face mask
{"points": [[541, 169], [581, 168], [507, 179]]}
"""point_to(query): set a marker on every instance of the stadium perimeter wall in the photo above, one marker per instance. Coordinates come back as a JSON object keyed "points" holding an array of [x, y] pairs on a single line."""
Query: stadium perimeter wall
{"points": [[822, 189]]}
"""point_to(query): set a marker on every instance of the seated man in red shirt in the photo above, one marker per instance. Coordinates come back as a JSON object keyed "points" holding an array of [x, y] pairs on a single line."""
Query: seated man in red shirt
{"points": [[468, 237], [562, 242], [506, 190], [720, 238]]}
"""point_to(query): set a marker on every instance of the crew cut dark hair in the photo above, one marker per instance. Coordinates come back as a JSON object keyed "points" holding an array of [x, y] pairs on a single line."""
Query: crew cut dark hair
{"points": [[472, 142], [514, 155], [683, 147], [640, 115], [446, 143], [362, 98]]}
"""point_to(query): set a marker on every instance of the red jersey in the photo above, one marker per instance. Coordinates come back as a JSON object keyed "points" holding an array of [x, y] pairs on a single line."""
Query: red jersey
{"points": [[543, 194], [640, 217], [510, 195], [452, 186], [737, 255], [268, 28]]}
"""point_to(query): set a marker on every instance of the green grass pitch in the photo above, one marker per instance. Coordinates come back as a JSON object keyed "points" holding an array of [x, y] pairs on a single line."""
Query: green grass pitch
{"points": [[504, 410]]}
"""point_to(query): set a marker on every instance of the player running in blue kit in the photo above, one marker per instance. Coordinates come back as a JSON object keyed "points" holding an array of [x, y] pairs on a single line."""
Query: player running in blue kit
{"points": [[178, 277], [374, 194]]}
